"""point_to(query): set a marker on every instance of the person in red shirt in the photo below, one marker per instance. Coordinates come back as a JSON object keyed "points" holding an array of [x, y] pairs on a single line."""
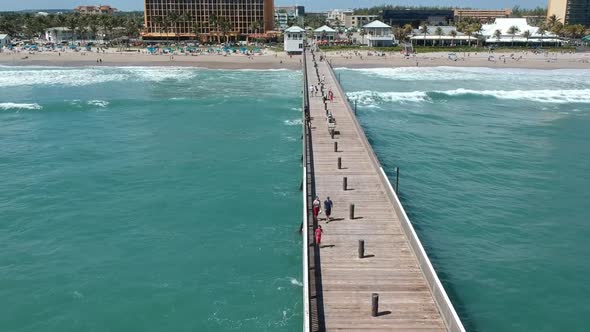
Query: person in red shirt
{"points": [[318, 235]]}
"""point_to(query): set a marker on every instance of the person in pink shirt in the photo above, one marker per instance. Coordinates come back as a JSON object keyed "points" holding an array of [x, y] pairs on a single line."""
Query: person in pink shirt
{"points": [[318, 235]]}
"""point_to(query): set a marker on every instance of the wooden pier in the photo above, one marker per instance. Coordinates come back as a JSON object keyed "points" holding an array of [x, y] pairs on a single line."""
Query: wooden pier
{"points": [[339, 284]]}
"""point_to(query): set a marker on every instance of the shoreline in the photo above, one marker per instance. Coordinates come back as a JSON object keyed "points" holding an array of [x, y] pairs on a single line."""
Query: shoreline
{"points": [[280, 60]]}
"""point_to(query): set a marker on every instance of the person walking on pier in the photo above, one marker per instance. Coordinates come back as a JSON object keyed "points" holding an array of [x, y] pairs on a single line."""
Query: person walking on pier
{"points": [[316, 205], [328, 208], [318, 235]]}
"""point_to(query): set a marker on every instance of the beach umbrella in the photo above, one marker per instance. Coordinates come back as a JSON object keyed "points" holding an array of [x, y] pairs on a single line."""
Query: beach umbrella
{"points": [[586, 39]]}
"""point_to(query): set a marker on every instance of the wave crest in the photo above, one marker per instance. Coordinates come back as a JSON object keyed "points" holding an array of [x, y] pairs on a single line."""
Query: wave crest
{"points": [[541, 96], [18, 106]]}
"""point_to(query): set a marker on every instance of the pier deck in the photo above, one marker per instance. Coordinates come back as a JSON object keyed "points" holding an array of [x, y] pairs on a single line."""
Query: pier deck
{"points": [[390, 268]]}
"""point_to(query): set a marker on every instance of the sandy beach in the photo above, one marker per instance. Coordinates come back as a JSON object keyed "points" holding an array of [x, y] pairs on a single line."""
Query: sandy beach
{"points": [[280, 60]]}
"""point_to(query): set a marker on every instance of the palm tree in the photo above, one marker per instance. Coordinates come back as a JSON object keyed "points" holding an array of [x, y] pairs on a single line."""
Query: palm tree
{"points": [[174, 21], [72, 24], [439, 32], [527, 34], [158, 23], [408, 28], [557, 29], [478, 30], [225, 26], [349, 35], [542, 30], [424, 30], [363, 33], [469, 33], [214, 22], [513, 30], [399, 33], [197, 29], [552, 21], [453, 34], [498, 35]]}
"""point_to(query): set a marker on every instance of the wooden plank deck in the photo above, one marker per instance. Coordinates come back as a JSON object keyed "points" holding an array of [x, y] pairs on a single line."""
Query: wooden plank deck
{"points": [[391, 270]]}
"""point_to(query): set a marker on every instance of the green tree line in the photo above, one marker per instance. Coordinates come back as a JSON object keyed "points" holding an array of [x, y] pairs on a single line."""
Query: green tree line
{"points": [[28, 25]]}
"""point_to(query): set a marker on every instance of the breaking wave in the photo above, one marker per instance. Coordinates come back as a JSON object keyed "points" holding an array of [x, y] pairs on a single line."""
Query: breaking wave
{"points": [[295, 122], [541, 96], [17, 106], [25, 76], [99, 103]]}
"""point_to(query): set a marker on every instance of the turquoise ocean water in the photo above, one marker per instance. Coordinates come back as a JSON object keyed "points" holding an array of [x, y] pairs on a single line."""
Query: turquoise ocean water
{"points": [[149, 199], [165, 199], [495, 171]]}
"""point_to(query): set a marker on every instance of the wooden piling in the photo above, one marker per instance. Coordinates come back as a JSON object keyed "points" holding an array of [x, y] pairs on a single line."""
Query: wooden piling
{"points": [[361, 248], [375, 305]]}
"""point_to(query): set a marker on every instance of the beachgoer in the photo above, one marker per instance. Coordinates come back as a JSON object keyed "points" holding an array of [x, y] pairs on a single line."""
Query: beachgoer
{"points": [[318, 235], [328, 207], [316, 207]]}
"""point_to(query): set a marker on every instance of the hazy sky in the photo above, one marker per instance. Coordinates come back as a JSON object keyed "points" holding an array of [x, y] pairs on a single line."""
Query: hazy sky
{"points": [[310, 5]]}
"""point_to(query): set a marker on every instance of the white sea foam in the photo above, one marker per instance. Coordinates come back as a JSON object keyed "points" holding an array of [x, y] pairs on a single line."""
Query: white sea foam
{"points": [[471, 73], [99, 103], [370, 97], [295, 282], [541, 96], [23, 76], [17, 106], [295, 122]]}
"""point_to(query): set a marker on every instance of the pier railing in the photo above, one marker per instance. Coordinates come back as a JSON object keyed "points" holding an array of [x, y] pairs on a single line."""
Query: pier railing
{"points": [[311, 293], [450, 317]]}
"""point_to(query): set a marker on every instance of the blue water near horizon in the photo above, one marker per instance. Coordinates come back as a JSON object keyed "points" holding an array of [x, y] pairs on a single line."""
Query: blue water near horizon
{"points": [[150, 199], [494, 176]]}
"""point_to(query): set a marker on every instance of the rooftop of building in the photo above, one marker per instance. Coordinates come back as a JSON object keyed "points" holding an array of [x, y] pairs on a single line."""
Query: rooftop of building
{"points": [[324, 28], [295, 29], [376, 24]]}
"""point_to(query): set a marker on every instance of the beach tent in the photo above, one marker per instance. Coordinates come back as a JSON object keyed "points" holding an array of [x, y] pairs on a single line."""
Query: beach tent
{"points": [[152, 50]]}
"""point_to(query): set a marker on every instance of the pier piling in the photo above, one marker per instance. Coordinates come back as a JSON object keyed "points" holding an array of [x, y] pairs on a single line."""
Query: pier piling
{"points": [[345, 183], [361, 248], [335, 146], [351, 211], [339, 162], [375, 305]]}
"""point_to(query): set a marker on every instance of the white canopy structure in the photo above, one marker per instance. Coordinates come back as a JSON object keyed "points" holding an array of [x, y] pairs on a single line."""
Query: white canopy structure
{"points": [[504, 25], [445, 38]]}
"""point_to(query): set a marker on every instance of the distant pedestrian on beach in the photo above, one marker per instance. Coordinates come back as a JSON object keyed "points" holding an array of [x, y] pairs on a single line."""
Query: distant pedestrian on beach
{"points": [[328, 208], [318, 235], [316, 205]]}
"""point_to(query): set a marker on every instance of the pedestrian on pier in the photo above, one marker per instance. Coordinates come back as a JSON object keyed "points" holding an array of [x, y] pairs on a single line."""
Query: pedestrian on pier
{"points": [[318, 235], [316, 206], [328, 204], [331, 95]]}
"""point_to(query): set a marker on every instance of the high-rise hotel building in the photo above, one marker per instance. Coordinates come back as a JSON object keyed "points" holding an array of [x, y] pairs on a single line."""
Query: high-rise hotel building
{"points": [[187, 18], [570, 11]]}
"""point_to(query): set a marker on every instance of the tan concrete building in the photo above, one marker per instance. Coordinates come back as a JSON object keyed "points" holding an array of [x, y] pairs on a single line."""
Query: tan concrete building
{"points": [[482, 15], [95, 10], [570, 11], [207, 19]]}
